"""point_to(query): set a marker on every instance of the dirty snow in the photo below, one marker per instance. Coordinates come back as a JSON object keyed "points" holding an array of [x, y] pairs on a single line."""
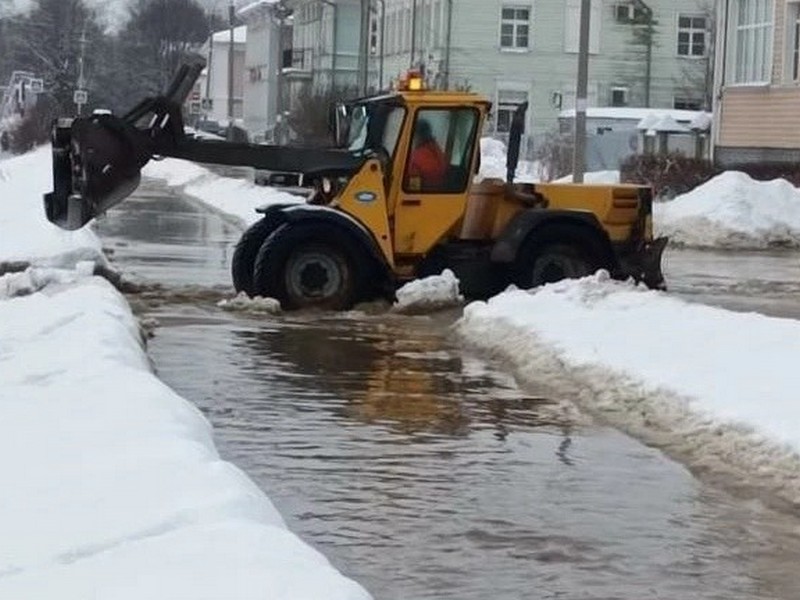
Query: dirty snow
{"points": [[733, 211], [429, 294], [112, 486], [244, 303], [717, 388]]}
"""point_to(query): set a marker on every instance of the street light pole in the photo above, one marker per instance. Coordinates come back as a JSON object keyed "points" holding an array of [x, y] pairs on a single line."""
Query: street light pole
{"points": [[231, 22], [581, 96], [363, 50]]}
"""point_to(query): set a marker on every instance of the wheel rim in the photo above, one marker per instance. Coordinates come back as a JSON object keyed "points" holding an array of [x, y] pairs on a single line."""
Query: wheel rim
{"points": [[555, 267], [313, 275]]}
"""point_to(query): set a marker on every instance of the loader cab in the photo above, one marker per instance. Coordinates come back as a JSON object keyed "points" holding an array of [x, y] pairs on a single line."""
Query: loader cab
{"points": [[428, 144]]}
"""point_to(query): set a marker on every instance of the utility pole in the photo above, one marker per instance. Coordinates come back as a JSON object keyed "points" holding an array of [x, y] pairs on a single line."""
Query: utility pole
{"points": [[648, 40], [363, 50], [209, 65], [231, 24], [581, 96], [80, 96], [413, 33]]}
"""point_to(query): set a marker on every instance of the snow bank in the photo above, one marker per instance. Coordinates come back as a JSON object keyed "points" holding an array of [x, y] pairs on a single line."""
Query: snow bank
{"points": [[236, 197], [596, 177], [428, 294], [493, 164], [25, 233], [733, 211], [716, 388], [112, 487]]}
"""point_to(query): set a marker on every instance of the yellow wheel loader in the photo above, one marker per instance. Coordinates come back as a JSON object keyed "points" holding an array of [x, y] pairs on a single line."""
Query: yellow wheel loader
{"points": [[395, 198]]}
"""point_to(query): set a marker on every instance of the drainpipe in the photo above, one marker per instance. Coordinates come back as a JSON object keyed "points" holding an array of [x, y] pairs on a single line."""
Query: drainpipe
{"points": [[448, 41]]}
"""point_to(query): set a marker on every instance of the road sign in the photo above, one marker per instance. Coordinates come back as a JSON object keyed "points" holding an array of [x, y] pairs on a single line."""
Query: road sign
{"points": [[208, 104], [80, 97], [36, 85]]}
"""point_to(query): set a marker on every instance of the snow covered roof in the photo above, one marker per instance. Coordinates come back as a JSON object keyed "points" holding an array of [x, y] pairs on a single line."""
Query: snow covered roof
{"points": [[224, 36], [631, 114], [253, 7]]}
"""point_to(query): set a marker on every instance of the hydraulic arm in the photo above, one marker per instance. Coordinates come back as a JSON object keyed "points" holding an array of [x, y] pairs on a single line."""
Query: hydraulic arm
{"points": [[97, 160]]}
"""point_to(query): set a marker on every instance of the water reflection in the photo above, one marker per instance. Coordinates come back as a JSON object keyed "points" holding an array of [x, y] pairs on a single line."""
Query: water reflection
{"points": [[424, 472]]}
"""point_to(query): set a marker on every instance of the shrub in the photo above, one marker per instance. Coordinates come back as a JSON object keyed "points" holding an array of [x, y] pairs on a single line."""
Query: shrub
{"points": [[34, 129], [555, 155], [669, 175]]}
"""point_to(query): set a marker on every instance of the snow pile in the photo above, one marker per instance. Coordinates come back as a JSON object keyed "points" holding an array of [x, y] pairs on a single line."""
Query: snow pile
{"points": [[112, 487], [493, 164], [595, 177], [236, 197], [25, 233], [244, 303], [733, 211], [33, 279], [716, 388], [429, 294]]}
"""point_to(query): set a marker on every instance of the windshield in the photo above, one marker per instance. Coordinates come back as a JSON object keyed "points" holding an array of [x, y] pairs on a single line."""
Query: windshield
{"points": [[375, 127]]}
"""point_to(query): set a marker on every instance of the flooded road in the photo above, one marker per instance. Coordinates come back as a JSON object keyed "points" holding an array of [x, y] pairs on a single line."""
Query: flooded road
{"points": [[422, 470]]}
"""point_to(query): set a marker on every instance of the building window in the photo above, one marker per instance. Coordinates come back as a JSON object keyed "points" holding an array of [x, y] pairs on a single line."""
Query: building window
{"points": [[792, 68], [752, 29], [515, 26], [507, 103], [691, 36], [679, 103], [619, 96]]}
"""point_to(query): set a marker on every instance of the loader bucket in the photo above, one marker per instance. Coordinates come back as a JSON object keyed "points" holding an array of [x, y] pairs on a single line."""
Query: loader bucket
{"points": [[96, 164]]}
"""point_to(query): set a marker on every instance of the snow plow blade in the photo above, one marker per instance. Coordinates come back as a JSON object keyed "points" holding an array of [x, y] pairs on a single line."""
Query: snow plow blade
{"points": [[96, 164]]}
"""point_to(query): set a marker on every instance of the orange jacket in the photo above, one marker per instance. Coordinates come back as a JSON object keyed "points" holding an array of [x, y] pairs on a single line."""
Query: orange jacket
{"points": [[428, 162]]}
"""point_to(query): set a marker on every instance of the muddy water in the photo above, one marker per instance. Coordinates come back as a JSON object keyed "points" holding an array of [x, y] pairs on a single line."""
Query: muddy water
{"points": [[422, 470]]}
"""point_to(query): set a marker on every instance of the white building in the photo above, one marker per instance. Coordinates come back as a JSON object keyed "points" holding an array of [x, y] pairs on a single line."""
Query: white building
{"points": [[217, 49], [262, 64], [514, 51]]}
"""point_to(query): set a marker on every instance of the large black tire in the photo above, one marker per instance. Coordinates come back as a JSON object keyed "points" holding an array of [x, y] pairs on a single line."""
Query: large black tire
{"points": [[558, 252], [244, 256], [310, 265]]}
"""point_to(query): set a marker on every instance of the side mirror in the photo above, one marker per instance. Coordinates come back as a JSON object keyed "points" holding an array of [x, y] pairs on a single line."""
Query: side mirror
{"points": [[514, 141]]}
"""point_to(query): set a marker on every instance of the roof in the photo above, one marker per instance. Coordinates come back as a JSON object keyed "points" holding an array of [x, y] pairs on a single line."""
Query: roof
{"points": [[255, 6], [224, 36], [632, 114]]}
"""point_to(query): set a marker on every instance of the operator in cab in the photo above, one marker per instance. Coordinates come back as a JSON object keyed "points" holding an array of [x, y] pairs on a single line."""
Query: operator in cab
{"points": [[427, 164]]}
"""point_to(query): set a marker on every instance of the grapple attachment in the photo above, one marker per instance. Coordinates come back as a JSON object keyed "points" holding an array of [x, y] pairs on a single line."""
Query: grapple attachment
{"points": [[96, 164], [97, 160]]}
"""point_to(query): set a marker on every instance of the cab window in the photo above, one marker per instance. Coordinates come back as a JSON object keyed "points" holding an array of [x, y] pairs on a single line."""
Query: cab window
{"points": [[442, 143]]}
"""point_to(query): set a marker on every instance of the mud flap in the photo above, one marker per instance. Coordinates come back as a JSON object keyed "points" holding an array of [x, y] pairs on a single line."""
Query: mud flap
{"points": [[96, 164]]}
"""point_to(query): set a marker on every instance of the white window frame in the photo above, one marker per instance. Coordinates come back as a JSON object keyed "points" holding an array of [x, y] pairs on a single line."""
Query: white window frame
{"points": [[692, 31], [754, 39], [791, 59], [516, 23]]}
